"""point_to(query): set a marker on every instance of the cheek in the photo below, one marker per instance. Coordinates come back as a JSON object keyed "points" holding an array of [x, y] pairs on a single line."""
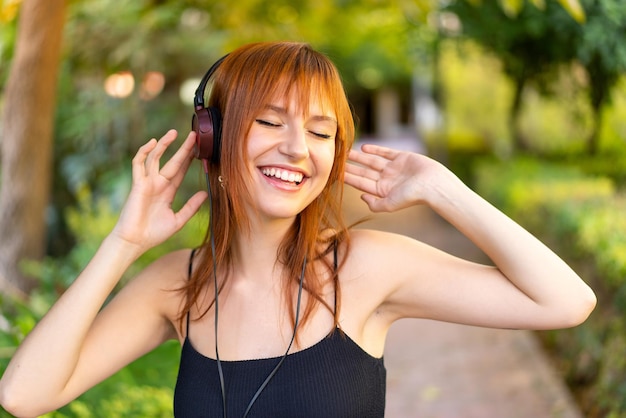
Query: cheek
{"points": [[325, 161], [330, 158], [252, 146]]}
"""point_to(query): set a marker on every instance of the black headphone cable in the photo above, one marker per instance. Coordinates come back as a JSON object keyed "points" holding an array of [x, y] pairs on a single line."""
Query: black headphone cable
{"points": [[212, 237], [215, 284]]}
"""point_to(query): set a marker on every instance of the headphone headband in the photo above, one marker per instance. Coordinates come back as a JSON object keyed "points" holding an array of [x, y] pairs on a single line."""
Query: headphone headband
{"points": [[198, 100], [207, 123]]}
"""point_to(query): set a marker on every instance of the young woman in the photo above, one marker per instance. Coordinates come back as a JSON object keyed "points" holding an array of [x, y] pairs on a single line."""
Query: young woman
{"points": [[283, 311]]}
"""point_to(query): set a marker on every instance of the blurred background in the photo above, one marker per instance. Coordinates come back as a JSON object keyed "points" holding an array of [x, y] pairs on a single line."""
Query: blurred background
{"points": [[525, 100]]}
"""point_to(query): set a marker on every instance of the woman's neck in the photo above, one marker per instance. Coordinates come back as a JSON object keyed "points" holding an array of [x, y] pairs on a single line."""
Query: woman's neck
{"points": [[255, 254]]}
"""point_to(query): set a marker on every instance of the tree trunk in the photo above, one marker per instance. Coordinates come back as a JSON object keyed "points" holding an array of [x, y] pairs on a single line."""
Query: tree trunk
{"points": [[599, 92], [26, 143], [519, 142]]}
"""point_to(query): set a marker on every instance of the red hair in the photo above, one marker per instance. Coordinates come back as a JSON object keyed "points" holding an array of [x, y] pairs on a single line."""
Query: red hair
{"points": [[243, 85]]}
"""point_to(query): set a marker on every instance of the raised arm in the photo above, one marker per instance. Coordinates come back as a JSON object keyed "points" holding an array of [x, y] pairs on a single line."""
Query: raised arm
{"points": [[530, 286], [74, 346]]}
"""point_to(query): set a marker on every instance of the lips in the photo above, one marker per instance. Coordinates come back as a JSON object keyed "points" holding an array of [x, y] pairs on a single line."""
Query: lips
{"points": [[287, 176]]}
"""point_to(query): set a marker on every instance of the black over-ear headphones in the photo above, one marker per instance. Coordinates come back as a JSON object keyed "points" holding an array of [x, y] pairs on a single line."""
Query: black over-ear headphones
{"points": [[207, 122]]}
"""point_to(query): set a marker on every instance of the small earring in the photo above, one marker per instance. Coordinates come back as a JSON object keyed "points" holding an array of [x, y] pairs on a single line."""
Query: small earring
{"points": [[221, 181]]}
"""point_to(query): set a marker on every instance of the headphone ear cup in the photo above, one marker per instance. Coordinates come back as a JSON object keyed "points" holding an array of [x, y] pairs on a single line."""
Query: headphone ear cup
{"points": [[207, 124]]}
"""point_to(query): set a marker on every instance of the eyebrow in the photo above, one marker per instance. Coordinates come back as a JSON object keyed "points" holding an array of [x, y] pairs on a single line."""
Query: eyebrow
{"points": [[284, 111]]}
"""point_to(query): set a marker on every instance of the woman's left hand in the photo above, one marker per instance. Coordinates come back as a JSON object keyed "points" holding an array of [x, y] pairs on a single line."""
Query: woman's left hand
{"points": [[391, 179]]}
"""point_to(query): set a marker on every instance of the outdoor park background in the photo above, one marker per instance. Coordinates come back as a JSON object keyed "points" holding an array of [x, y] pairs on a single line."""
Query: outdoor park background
{"points": [[525, 100]]}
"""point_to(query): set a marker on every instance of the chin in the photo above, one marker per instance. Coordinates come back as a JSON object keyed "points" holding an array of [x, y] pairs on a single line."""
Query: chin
{"points": [[280, 213]]}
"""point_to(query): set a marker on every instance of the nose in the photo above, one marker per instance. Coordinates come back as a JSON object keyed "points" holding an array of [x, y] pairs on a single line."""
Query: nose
{"points": [[294, 144]]}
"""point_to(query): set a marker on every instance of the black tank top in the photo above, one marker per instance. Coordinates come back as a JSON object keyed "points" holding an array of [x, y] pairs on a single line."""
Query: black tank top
{"points": [[334, 378]]}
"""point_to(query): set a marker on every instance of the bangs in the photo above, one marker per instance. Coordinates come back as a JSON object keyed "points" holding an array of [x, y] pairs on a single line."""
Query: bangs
{"points": [[286, 70]]}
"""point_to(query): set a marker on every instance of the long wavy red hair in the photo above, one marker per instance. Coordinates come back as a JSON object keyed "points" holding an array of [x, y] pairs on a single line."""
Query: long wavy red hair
{"points": [[243, 85]]}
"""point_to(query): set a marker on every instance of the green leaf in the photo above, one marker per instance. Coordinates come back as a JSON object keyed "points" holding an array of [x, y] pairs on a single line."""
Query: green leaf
{"points": [[575, 9], [539, 4], [512, 7]]}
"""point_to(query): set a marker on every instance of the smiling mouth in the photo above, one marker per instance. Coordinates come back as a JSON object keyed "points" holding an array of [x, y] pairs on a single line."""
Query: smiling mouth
{"points": [[284, 175]]}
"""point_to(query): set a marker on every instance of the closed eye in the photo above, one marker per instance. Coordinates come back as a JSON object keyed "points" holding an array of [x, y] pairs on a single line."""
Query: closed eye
{"points": [[267, 123], [321, 135]]}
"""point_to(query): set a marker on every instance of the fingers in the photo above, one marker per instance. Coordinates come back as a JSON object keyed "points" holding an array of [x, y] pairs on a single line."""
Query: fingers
{"points": [[138, 164], [360, 182], [149, 154], [181, 160], [147, 159], [365, 160], [190, 208], [154, 157], [375, 204], [370, 195], [363, 170], [373, 156], [372, 160], [387, 153], [364, 166]]}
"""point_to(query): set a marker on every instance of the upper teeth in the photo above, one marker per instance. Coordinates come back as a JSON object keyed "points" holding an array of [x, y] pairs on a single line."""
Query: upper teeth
{"points": [[284, 175]]}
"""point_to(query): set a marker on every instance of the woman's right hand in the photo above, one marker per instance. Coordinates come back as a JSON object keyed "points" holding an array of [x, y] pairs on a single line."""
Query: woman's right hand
{"points": [[147, 218]]}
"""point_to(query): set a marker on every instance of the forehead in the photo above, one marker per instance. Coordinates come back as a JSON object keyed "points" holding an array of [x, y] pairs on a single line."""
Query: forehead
{"points": [[312, 101]]}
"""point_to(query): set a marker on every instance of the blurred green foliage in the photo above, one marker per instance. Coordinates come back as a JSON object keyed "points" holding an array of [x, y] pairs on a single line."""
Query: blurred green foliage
{"points": [[477, 101], [583, 216], [535, 44]]}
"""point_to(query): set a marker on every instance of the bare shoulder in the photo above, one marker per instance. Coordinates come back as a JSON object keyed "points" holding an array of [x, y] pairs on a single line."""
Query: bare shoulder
{"points": [[159, 284], [376, 260], [372, 251], [372, 271], [379, 263], [167, 272]]}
